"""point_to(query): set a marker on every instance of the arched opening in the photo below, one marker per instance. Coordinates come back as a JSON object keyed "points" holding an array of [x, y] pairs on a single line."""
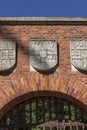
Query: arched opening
{"points": [[32, 112]]}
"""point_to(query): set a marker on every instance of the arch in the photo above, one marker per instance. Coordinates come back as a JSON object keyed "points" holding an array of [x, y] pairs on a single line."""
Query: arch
{"points": [[17, 90], [37, 110]]}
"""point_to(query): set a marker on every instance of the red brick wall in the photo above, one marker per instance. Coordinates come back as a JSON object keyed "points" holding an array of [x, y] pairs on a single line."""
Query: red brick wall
{"points": [[22, 81]]}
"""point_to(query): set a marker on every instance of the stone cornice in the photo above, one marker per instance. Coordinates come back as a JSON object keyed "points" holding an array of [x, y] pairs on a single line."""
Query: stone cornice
{"points": [[44, 20]]}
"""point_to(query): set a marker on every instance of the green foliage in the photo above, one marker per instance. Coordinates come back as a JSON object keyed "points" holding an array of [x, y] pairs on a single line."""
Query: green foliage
{"points": [[27, 113], [46, 104], [53, 115], [40, 111], [72, 113], [33, 111], [66, 112]]}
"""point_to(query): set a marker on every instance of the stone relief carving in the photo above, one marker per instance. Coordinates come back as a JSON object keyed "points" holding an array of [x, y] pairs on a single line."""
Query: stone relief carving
{"points": [[7, 54], [79, 54], [43, 54]]}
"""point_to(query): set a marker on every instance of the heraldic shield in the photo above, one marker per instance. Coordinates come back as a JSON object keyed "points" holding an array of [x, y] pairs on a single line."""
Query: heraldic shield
{"points": [[79, 54], [7, 54], [43, 54]]}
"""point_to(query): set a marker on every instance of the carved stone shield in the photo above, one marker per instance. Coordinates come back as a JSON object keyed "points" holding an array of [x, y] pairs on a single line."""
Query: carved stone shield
{"points": [[43, 54], [7, 54], [79, 54]]}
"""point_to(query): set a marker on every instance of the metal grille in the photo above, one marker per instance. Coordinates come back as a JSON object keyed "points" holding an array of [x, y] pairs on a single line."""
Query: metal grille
{"points": [[30, 114]]}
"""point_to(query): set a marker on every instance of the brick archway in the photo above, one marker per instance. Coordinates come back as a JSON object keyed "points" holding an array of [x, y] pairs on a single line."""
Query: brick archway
{"points": [[18, 90]]}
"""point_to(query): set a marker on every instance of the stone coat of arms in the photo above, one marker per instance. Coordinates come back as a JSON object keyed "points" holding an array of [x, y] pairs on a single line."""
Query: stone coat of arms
{"points": [[43, 54], [7, 54], [79, 54]]}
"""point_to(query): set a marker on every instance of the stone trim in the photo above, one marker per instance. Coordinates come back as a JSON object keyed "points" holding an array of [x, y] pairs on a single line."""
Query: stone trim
{"points": [[44, 20]]}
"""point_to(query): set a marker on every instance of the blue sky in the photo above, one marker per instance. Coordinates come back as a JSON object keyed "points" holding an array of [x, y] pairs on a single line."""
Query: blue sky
{"points": [[44, 8]]}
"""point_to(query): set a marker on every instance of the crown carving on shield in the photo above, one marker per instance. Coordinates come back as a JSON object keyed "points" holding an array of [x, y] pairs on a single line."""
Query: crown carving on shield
{"points": [[43, 54], [78, 50], [7, 54]]}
